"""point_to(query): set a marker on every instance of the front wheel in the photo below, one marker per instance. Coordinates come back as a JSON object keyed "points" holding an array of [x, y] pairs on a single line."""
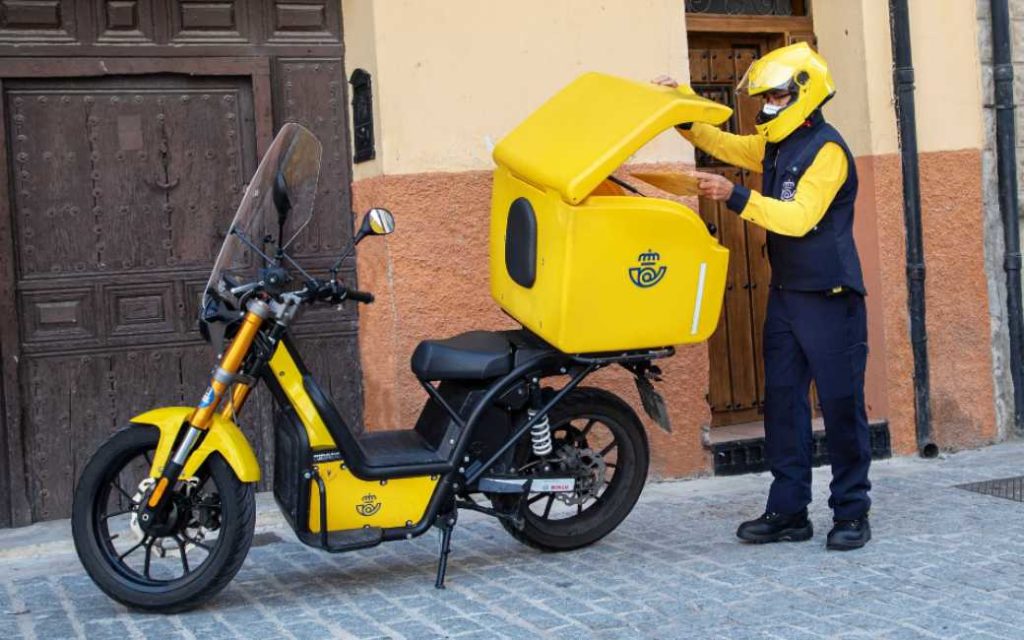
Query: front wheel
{"points": [[184, 561], [599, 440]]}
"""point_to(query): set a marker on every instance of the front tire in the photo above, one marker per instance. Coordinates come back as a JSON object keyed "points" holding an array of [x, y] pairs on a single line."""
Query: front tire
{"points": [[207, 541], [595, 430]]}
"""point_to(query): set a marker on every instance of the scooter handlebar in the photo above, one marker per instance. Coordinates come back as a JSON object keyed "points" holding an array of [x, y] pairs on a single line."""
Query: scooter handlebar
{"points": [[334, 292], [359, 296]]}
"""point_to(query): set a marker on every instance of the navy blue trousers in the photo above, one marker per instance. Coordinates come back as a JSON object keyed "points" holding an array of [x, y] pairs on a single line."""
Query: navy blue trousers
{"points": [[809, 335]]}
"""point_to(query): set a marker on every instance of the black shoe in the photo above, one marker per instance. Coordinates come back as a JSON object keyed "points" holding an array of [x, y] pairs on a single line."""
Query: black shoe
{"points": [[849, 534], [776, 527]]}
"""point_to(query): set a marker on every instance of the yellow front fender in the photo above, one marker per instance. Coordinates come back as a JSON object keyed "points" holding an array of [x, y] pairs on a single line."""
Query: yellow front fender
{"points": [[224, 437]]}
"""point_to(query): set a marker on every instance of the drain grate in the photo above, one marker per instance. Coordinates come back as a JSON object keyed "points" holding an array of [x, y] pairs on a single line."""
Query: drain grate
{"points": [[1009, 488]]}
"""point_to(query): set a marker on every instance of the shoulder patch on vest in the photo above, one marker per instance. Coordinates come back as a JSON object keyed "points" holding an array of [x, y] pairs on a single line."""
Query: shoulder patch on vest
{"points": [[788, 192]]}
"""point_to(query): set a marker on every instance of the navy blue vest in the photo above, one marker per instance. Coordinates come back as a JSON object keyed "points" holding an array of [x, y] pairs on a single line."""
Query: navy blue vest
{"points": [[826, 257]]}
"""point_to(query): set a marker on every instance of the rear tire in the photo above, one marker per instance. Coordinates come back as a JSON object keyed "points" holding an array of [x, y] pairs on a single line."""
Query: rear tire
{"points": [[228, 509], [628, 456]]}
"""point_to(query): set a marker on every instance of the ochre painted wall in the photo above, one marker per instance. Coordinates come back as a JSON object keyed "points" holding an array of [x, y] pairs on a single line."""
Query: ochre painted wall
{"points": [[450, 79], [431, 281], [855, 37], [959, 345], [453, 77]]}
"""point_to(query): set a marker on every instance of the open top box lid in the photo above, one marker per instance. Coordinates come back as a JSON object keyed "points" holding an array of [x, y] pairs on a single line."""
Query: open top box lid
{"points": [[581, 135]]}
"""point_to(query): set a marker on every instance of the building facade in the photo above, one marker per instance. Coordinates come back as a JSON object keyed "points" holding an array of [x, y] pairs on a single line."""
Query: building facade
{"points": [[128, 130], [452, 79]]}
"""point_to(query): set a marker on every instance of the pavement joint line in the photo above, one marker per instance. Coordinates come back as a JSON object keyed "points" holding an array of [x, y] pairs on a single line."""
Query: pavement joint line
{"points": [[176, 620], [415, 613], [19, 611], [67, 605], [502, 613], [336, 631], [258, 605]]}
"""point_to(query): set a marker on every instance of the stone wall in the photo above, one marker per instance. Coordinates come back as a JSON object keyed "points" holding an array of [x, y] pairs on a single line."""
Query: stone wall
{"points": [[994, 239]]}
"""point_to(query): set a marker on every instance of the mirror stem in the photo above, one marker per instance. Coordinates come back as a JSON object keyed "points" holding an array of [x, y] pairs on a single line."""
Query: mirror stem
{"points": [[344, 254]]}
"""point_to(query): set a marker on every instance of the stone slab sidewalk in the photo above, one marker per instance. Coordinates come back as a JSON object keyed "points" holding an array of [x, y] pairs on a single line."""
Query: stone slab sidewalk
{"points": [[945, 563]]}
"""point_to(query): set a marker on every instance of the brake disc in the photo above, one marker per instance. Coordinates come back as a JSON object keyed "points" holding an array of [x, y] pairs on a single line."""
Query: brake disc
{"points": [[193, 530], [588, 467]]}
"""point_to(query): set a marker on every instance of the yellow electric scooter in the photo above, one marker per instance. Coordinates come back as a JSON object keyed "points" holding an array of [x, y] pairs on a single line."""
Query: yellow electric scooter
{"points": [[164, 512]]}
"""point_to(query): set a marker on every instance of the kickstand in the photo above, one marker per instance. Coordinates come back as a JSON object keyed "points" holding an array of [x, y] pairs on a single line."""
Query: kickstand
{"points": [[445, 523]]}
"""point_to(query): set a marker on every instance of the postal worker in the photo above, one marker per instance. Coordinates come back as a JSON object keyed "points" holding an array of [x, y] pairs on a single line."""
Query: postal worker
{"points": [[816, 325]]}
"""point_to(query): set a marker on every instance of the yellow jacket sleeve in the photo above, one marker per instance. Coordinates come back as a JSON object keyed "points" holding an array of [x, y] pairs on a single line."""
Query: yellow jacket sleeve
{"points": [[814, 193], [746, 152]]}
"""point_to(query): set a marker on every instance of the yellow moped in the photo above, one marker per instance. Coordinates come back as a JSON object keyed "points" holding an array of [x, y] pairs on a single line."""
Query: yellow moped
{"points": [[164, 512]]}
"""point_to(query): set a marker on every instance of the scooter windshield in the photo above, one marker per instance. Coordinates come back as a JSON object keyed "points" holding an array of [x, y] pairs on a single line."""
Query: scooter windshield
{"points": [[276, 207]]}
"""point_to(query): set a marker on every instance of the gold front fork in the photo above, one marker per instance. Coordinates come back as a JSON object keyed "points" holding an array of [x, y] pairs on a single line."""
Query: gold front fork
{"points": [[257, 312], [225, 373]]}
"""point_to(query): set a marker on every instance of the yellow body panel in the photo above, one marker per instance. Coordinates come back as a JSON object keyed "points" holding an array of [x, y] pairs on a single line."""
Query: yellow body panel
{"points": [[223, 436], [614, 273], [578, 137], [353, 503], [290, 379]]}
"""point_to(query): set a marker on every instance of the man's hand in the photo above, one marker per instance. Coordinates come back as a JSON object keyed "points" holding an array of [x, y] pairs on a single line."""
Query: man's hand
{"points": [[666, 81], [713, 186]]}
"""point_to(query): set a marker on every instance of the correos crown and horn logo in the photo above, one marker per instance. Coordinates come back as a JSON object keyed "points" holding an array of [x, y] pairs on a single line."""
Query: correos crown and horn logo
{"points": [[648, 273], [369, 506]]}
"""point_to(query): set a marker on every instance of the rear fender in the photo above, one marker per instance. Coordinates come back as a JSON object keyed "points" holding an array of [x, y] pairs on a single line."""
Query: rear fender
{"points": [[223, 437]]}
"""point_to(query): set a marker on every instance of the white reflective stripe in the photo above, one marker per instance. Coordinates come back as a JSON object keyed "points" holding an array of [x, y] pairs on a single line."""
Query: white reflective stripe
{"points": [[700, 298]]}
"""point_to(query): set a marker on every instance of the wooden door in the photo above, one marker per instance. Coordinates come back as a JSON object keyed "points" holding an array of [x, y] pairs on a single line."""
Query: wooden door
{"points": [[736, 389], [121, 169], [122, 189]]}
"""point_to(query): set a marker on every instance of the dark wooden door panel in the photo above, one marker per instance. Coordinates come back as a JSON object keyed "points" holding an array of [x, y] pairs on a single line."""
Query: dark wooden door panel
{"points": [[123, 190], [758, 270], [736, 390], [719, 383], [115, 176], [120, 188], [738, 310], [150, 172], [73, 407], [227, 26], [760, 279], [123, 167], [736, 387], [312, 94]]}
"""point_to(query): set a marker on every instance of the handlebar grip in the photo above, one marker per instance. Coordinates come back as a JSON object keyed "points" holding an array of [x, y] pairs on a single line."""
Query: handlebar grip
{"points": [[359, 296]]}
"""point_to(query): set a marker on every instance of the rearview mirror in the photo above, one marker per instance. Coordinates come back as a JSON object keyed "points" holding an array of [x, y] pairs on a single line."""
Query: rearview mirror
{"points": [[282, 203], [376, 222]]}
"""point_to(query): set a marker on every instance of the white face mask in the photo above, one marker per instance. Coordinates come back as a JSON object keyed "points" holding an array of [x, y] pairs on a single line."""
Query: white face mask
{"points": [[772, 109]]}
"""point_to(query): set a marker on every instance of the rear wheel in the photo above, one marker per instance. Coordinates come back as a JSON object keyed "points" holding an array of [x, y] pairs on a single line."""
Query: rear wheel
{"points": [[599, 441], [184, 561]]}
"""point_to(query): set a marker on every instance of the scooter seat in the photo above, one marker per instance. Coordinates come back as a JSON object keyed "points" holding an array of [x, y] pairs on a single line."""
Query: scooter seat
{"points": [[476, 355]]}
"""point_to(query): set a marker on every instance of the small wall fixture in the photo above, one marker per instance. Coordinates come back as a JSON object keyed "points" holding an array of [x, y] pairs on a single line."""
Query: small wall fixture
{"points": [[362, 116]]}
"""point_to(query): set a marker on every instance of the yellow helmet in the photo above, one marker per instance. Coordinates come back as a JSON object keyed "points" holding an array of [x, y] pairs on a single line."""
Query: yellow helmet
{"points": [[800, 71]]}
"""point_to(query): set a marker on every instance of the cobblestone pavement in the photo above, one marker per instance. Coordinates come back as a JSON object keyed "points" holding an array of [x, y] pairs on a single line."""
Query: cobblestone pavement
{"points": [[945, 563]]}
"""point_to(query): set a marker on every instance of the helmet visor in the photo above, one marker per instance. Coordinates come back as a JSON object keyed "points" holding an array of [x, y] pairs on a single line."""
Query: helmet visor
{"points": [[765, 75]]}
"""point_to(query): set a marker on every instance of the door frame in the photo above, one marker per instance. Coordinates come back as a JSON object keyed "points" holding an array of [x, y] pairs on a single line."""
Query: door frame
{"points": [[764, 25], [779, 26], [15, 506]]}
